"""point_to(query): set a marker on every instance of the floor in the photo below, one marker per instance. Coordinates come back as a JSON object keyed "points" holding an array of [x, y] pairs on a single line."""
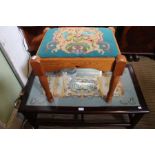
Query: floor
{"points": [[145, 71]]}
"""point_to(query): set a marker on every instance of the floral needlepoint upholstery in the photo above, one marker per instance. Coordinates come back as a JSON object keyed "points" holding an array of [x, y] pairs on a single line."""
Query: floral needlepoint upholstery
{"points": [[78, 42]]}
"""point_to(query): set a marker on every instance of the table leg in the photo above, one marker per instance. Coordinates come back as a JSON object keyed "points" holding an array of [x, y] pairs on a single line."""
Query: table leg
{"points": [[118, 71], [31, 118], [134, 120]]}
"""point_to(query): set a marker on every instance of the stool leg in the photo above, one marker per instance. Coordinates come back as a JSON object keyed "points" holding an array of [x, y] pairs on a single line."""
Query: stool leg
{"points": [[39, 71], [45, 85], [118, 71]]}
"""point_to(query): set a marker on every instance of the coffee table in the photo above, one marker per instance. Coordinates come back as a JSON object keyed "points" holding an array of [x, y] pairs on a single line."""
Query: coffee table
{"points": [[77, 113]]}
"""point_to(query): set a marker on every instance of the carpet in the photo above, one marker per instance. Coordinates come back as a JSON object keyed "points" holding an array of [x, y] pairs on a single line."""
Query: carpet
{"points": [[145, 72]]}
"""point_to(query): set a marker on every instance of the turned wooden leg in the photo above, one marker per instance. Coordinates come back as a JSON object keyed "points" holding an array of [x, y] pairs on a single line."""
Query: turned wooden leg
{"points": [[39, 71], [118, 71], [45, 85]]}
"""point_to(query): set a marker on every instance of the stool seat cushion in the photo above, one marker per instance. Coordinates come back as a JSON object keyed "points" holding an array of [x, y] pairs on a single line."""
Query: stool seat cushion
{"points": [[78, 42]]}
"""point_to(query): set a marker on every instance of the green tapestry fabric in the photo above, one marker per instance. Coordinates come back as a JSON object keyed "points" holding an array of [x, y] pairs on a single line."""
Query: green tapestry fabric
{"points": [[78, 42]]}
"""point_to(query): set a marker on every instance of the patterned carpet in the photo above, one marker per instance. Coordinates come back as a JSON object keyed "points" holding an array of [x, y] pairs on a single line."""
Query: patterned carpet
{"points": [[145, 72]]}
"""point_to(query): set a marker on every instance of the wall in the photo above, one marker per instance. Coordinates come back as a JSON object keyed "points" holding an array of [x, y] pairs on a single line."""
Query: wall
{"points": [[13, 44]]}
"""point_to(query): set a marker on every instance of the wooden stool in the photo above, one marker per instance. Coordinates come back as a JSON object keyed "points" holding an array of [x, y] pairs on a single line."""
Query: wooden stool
{"points": [[78, 47]]}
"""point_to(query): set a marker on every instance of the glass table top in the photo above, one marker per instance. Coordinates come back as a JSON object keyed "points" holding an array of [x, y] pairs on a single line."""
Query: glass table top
{"points": [[128, 99]]}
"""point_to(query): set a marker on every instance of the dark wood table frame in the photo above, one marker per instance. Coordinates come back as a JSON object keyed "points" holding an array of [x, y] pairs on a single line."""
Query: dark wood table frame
{"points": [[134, 114]]}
